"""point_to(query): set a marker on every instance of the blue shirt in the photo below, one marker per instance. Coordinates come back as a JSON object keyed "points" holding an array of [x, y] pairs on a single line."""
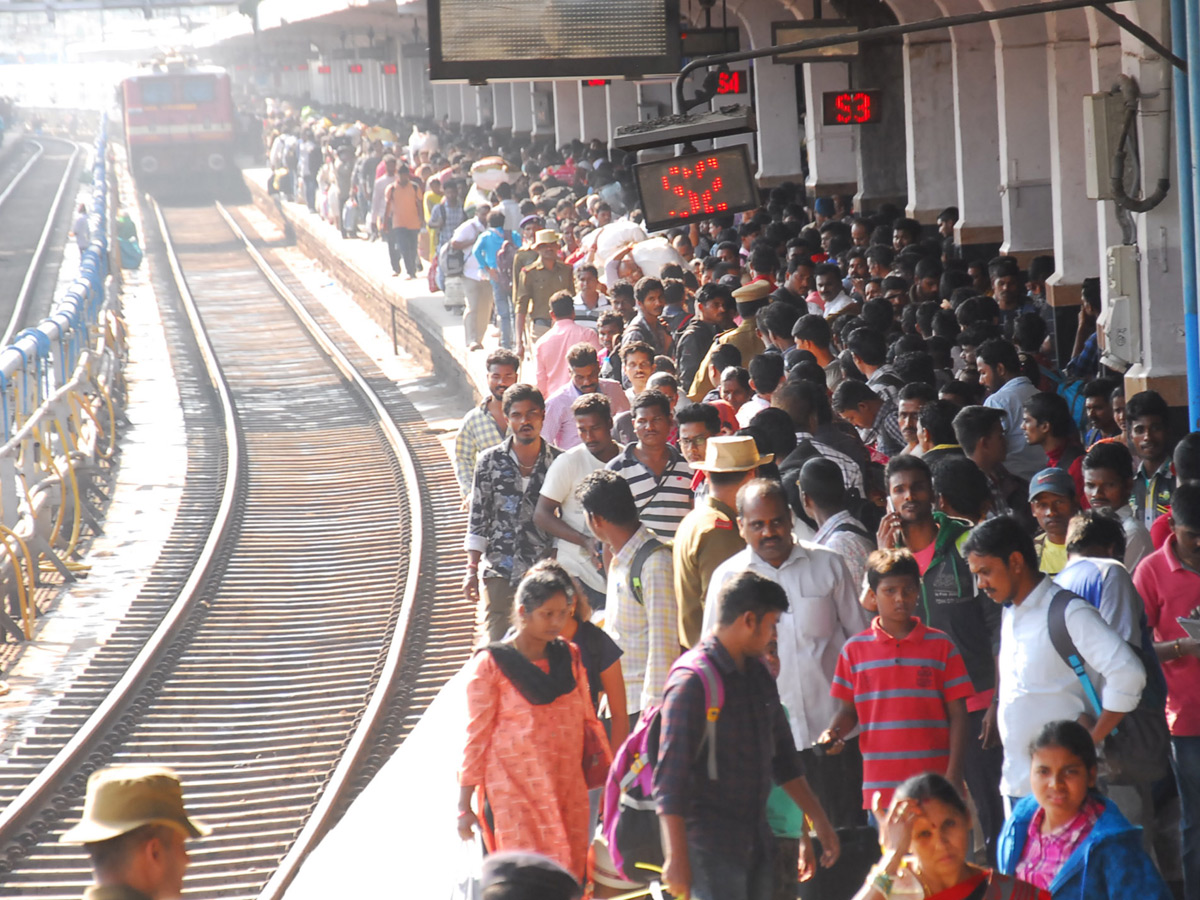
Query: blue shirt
{"points": [[488, 244]]}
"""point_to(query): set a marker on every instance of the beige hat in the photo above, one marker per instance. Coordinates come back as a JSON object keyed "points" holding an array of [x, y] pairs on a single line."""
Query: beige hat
{"points": [[122, 798], [546, 236], [732, 453], [755, 290]]}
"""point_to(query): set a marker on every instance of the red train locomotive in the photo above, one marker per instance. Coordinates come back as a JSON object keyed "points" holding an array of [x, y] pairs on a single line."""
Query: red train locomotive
{"points": [[179, 120]]}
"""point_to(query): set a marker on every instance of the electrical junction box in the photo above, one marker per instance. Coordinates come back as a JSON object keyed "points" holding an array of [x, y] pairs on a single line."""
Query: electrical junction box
{"points": [[1103, 120], [1120, 319]]}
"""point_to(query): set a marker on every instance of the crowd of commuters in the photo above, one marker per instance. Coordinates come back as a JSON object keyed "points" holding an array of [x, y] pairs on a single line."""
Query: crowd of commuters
{"points": [[904, 509]]}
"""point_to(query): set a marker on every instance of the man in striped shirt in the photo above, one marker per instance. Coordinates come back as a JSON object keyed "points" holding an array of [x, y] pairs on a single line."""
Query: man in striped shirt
{"points": [[657, 473], [904, 683]]}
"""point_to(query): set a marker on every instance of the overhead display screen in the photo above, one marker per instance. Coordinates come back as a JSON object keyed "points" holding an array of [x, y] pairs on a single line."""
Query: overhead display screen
{"points": [[537, 39], [850, 107], [695, 186]]}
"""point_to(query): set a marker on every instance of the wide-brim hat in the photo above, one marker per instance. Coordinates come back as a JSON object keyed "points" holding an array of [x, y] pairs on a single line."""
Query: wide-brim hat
{"points": [[546, 236], [732, 453], [122, 798]]}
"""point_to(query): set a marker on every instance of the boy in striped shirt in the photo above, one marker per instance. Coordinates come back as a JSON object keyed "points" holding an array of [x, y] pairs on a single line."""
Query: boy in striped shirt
{"points": [[904, 683]]}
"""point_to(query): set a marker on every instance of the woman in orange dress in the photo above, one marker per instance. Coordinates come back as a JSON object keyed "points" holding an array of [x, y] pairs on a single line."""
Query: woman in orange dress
{"points": [[529, 713]]}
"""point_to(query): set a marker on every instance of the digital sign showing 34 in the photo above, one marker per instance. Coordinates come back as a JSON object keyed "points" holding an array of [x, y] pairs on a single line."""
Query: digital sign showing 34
{"points": [[695, 185]]}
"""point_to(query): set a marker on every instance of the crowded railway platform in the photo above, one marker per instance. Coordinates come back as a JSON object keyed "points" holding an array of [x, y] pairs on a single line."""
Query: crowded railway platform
{"points": [[503, 539]]}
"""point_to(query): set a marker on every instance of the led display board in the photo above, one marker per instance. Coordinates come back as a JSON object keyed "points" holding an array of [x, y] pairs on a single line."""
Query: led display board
{"points": [[695, 186], [850, 107]]}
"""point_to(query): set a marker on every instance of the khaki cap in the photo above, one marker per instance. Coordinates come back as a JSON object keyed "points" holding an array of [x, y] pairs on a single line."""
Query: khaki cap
{"points": [[755, 290], [546, 236], [732, 453], [122, 798]]}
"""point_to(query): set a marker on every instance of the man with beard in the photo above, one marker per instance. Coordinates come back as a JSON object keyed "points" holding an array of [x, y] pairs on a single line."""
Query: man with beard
{"points": [[502, 542], [823, 614], [584, 364], [486, 424]]}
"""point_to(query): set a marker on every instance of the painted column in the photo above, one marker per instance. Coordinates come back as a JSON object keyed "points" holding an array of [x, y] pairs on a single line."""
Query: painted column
{"points": [[928, 124], [521, 93], [778, 120], [502, 107], [1024, 121], [454, 98], [831, 149], [542, 97], [566, 112], [1069, 70], [976, 137], [593, 112]]}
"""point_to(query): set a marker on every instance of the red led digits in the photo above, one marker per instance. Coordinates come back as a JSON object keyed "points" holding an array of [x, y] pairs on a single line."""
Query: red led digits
{"points": [[696, 185]]}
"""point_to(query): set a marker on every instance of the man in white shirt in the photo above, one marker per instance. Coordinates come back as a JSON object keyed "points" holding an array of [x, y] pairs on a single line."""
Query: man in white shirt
{"points": [[477, 288], [1036, 686], [823, 613], [829, 287], [559, 512], [1000, 372]]}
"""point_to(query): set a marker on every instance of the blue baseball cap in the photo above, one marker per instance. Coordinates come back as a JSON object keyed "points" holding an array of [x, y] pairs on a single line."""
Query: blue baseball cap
{"points": [[1052, 481]]}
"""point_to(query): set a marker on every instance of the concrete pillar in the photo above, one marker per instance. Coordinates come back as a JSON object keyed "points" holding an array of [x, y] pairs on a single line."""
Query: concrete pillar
{"points": [[653, 99], [502, 107], [1106, 67], [1074, 221], [441, 100], [621, 100], [593, 113], [1024, 119], [454, 99], [882, 148], [976, 137], [928, 124], [775, 87], [521, 93], [542, 97], [477, 105], [566, 112], [831, 149]]}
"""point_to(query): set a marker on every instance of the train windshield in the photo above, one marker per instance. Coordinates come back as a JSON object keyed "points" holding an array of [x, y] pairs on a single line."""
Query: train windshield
{"points": [[155, 91], [199, 90]]}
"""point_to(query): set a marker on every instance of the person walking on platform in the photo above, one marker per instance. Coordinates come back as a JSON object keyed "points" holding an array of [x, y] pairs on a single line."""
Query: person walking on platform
{"points": [[404, 218], [530, 724], [485, 425], [500, 530], [536, 284], [477, 290], [133, 828]]}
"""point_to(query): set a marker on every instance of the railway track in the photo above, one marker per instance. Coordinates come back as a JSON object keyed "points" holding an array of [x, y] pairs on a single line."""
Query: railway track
{"points": [[31, 207], [309, 625]]}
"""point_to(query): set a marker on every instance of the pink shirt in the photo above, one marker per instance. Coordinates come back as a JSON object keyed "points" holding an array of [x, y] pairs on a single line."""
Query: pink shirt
{"points": [[551, 353], [1045, 854], [1170, 590], [559, 425]]}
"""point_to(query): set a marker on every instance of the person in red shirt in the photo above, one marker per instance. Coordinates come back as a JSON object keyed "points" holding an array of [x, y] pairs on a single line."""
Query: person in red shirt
{"points": [[905, 674], [1169, 582]]}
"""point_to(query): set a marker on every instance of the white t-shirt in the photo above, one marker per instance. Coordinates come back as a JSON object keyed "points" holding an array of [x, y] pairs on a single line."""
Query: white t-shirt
{"points": [[562, 478], [469, 230]]}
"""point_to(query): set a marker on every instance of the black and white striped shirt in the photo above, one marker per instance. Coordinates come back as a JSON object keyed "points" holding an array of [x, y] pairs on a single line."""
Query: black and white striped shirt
{"points": [[662, 502]]}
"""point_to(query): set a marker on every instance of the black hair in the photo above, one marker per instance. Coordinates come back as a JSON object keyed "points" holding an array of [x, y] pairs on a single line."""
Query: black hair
{"points": [[944, 324], [800, 400], [623, 288], [713, 291], [724, 356], [537, 587], [1029, 331], [503, 357], [963, 485], [582, 354], [650, 399], [642, 289], [915, 367], [1095, 528], [878, 315], [1099, 387], [868, 345], [637, 347], [1001, 537], [520, 393], [822, 482], [775, 426], [749, 592], [1146, 403], [777, 318], [606, 494], [1185, 505], [1070, 736], [1187, 458], [704, 413], [592, 405], [917, 390], [1048, 407], [907, 463], [881, 254], [937, 417], [999, 352], [1003, 267], [849, 394], [764, 261], [766, 371], [1110, 455], [883, 564], [814, 329], [562, 305], [931, 785], [828, 269]]}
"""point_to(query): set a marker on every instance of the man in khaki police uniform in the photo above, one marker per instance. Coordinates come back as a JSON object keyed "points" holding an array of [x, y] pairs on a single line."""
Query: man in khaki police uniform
{"points": [[133, 827]]}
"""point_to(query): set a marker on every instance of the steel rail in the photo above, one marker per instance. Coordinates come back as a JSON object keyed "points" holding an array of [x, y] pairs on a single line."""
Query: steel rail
{"points": [[35, 263], [339, 782], [37, 793], [16, 179]]}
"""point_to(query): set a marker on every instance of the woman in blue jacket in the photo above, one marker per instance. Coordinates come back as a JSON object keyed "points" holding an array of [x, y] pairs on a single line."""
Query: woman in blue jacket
{"points": [[1068, 839]]}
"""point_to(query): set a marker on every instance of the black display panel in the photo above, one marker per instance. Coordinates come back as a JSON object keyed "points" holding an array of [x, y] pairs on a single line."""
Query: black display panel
{"points": [[851, 107], [694, 186], [547, 39]]}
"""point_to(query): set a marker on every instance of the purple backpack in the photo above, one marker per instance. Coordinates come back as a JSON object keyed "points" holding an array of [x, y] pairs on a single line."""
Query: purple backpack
{"points": [[630, 821]]}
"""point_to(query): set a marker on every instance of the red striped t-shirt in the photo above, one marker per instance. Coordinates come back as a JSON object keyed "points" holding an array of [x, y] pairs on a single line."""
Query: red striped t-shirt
{"points": [[900, 689]]}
